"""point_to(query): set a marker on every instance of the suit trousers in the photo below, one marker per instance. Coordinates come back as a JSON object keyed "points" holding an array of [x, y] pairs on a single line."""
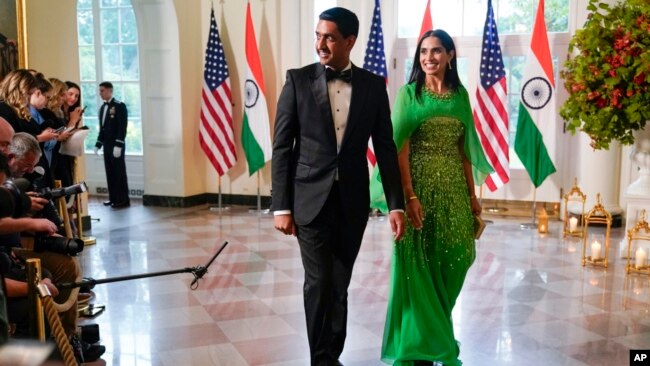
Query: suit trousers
{"points": [[329, 245], [116, 180]]}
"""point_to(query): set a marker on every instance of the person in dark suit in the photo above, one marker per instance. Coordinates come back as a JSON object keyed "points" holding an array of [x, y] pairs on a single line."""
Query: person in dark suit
{"points": [[326, 113], [113, 118]]}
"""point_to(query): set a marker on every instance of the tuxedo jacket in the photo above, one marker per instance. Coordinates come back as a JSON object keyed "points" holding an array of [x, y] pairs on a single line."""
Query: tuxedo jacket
{"points": [[305, 158], [112, 129]]}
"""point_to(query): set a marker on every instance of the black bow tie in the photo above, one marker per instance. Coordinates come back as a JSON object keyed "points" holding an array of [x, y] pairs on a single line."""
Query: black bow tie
{"points": [[345, 75]]}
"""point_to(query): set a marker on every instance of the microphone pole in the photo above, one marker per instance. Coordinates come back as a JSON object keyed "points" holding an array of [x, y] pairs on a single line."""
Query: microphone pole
{"points": [[197, 271]]}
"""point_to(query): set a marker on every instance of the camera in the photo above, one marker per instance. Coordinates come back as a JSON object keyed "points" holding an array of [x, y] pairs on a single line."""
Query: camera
{"points": [[49, 193], [58, 244], [13, 202]]}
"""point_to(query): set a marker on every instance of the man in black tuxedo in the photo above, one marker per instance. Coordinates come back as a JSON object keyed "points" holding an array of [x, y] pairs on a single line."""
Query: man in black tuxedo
{"points": [[326, 113], [113, 118]]}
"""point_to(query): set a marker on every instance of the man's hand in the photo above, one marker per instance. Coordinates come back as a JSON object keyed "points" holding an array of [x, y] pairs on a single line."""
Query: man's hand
{"points": [[50, 286], [117, 152], [96, 150], [42, 226], [285, 224], [37, 202], [397, 224]]}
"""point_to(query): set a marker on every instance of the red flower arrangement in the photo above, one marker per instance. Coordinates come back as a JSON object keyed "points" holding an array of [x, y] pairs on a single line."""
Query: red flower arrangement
{"points": [[608, 77]]}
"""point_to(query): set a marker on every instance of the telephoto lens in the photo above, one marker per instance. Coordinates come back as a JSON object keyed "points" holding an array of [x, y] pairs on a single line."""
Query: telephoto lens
{"points": [[58, 244]]}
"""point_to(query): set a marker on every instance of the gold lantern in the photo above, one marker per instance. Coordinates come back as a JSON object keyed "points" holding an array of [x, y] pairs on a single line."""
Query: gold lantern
{"points": [[574, 223], [638, 245], [598, 244], [542, 225]]}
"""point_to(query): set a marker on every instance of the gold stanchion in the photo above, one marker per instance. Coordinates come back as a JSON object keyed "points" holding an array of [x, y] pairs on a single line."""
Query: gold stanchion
{"points": [[63, 211], [36, 320], [88, 240]]}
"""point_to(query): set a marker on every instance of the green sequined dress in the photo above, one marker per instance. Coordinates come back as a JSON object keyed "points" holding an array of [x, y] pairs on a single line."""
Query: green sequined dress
{"points": [[429, 265]]}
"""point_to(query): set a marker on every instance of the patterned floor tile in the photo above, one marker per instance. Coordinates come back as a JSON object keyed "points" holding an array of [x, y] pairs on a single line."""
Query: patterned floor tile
{"points": [[527, 299]]}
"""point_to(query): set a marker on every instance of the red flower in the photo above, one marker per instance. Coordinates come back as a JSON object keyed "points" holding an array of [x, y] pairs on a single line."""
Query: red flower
{"points": [[601, 103], [639, 79], [593, 95], [612, 73]]}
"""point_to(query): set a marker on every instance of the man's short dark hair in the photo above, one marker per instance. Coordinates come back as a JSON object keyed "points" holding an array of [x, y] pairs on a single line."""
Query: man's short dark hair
{"points": [[346, 21], [106, 84]]}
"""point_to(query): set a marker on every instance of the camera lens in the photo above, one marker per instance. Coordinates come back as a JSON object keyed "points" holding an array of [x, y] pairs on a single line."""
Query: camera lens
{"points": [[57, 244]]}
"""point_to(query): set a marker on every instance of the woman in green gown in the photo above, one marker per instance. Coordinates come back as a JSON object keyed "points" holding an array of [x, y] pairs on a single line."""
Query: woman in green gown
{"points": [[440, 161]]}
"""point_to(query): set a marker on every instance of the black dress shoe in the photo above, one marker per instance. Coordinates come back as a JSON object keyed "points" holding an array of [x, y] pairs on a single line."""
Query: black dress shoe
{"points": [[107, 203], [121, 204]]}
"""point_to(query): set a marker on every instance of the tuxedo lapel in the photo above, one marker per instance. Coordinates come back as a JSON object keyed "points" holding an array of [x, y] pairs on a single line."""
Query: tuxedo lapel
{"points": [[319, 91], [359, 93]]}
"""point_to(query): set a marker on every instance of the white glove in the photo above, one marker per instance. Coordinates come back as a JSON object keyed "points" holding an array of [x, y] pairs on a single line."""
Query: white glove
{"points": [[96, 150], [117, 152]]}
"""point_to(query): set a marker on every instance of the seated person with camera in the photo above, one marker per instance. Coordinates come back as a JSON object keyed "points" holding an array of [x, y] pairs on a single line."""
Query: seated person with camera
{"points": [[53, 251]]}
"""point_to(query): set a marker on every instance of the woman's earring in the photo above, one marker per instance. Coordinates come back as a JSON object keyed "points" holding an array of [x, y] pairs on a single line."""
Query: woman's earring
{"points": [[450, 68]]}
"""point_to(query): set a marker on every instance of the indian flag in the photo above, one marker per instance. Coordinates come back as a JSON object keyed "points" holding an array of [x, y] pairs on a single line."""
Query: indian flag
{"points": [[256, 134], [535, 139]]}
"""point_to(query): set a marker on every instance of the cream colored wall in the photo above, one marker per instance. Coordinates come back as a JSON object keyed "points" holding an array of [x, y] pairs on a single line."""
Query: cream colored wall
{"points": [[283, 29], [52, 38], [231, 17]]}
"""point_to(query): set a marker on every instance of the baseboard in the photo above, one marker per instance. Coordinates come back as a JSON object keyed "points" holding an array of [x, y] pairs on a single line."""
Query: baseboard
{"points": [[205, 198]]}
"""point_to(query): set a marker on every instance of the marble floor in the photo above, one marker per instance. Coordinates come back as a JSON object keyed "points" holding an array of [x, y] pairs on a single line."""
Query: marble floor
{"points": [[527, 299]]}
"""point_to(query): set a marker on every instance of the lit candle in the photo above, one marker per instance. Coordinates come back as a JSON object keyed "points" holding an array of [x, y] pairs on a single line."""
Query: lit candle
{"points": [[573, 224], [595, 250], [542, 228], [640, 258]]}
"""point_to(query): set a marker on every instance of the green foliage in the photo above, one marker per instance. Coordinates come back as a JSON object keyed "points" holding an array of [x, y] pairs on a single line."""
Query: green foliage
{"points": [[608, 77]]}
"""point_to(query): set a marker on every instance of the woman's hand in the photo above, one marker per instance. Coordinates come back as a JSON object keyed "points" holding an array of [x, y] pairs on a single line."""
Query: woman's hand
{"points": [[75, 116], [64, 136], [476, 207], [47, 135], [414, 212]]}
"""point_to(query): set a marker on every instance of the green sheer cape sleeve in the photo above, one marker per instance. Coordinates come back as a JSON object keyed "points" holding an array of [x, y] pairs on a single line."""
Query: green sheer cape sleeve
{"points": [[407, 115]]}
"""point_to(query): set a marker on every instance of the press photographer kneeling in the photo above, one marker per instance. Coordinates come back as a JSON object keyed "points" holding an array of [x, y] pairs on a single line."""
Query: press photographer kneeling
{"points": [[28, 237]]}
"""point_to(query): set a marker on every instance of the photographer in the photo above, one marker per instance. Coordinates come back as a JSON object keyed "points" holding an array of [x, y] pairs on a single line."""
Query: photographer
{"points": [[24, 153], [11, 271]]}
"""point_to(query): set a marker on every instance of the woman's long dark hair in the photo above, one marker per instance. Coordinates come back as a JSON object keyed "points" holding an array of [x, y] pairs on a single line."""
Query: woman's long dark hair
{"points": [[71, 84], [452, 80]]}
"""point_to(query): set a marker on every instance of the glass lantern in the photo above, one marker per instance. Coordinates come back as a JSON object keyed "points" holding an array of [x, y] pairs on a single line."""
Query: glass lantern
{"points": [[574, 223], [542, 223], [595, 247], [638, 246]]}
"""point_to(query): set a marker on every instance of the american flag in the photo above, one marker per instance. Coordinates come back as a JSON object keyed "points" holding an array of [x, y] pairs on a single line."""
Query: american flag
{"points": [[491, 113], [216, 134], [375, 60]]}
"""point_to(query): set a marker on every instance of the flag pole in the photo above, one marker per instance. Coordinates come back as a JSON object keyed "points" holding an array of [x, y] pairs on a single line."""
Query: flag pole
{"points": [[532, 224], [259, 210], [480, 201], [219, 207], [492, 209]]}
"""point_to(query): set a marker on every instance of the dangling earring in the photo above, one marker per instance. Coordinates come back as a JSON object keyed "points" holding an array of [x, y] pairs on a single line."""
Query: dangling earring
{"points": [[450, 68]]}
